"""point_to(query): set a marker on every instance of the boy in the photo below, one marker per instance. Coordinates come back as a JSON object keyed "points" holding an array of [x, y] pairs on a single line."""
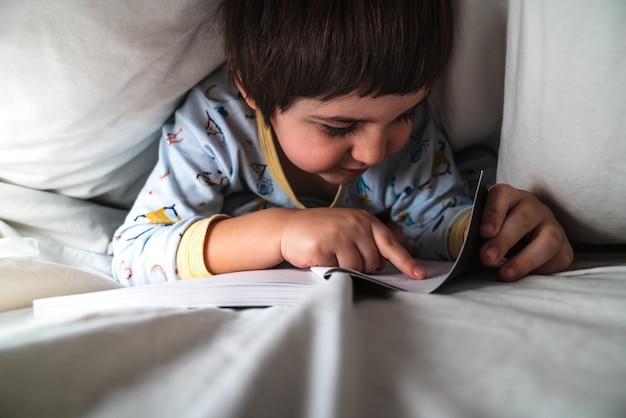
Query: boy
{"points": [[315, 146]]}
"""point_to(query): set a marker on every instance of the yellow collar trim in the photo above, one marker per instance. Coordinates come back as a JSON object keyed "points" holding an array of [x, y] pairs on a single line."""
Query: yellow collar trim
{"points": [[268, 148]]}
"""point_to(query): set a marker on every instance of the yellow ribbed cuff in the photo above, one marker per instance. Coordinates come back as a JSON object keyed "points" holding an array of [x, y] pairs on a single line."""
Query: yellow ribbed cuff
{"points": [[457, 234], [190, 253]]}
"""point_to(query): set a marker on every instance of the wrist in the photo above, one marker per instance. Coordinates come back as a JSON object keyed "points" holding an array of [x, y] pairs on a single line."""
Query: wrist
{"points": [[246, 242], [190, 255]]}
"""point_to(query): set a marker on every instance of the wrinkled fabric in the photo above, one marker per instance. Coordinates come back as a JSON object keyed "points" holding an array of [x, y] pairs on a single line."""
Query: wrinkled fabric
{"points": [[544, 346]]}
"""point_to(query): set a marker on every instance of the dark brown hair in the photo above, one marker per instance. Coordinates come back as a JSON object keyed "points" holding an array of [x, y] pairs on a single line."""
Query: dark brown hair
{"points": [[282, 50]]}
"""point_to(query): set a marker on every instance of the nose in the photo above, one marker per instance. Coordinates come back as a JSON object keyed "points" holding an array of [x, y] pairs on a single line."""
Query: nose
{"points": [[370, 150]]}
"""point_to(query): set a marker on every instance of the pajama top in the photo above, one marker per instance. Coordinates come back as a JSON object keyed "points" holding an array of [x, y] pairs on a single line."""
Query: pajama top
{"points": [[217, 159]]}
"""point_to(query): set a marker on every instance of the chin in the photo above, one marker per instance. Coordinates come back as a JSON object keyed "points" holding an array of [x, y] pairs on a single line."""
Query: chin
{"points": [[339, 179]]}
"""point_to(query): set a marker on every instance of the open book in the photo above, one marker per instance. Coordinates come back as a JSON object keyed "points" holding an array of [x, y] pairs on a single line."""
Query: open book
{"points": [[280, 286]]}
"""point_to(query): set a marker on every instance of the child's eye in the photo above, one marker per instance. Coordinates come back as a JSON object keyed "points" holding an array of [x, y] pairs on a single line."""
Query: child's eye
{"points": [[333, 131], [406, 117]]}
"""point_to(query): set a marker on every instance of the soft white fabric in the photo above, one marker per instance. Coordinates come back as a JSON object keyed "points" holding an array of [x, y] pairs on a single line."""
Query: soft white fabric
{"points": [[53, 217], [87, 85], [86, 89], [468, 99], [542, 347], [52, 244], [32, 268], [564, 127]]}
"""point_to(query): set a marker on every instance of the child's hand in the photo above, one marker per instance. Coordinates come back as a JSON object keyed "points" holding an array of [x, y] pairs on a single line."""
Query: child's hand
{"points": [[342, 237], [517, 219]]}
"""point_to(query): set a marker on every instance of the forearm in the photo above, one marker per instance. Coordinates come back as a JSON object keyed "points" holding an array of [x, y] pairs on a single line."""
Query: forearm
{"points": [[247, 242]]}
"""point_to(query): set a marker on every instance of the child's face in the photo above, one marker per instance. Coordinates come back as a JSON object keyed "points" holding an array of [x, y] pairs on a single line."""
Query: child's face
{"points": [[341, 138]]}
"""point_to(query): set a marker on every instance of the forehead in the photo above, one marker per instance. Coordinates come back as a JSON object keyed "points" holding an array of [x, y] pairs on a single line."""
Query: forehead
{"points": [[354, 106]]}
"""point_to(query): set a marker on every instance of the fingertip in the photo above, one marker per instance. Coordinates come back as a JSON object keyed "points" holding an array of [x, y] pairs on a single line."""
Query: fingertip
{"points": [[419, 273], [491, 255], [508, 274]]}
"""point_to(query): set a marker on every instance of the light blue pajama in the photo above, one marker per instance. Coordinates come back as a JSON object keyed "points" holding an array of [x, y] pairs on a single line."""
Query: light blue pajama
{"points": [[210, 162]]}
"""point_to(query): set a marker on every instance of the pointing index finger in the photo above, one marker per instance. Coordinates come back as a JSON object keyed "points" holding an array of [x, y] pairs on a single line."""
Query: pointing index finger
{"points": [[393, 251]]}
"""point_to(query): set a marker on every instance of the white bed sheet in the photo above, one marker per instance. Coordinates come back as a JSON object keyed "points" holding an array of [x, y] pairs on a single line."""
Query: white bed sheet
{"points": [[546, 346]]}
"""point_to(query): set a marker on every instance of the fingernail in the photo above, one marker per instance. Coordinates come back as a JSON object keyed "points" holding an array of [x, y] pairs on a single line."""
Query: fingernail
{"points": [[492, 253], [419, 273]]}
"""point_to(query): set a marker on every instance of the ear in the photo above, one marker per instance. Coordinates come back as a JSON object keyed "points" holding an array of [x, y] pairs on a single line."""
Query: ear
{"points": [[247, 98]]}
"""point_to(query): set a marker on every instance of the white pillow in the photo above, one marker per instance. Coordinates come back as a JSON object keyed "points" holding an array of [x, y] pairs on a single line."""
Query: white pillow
{"points": [[32, 269], [564, 126], [468, 99], [88, 85]]}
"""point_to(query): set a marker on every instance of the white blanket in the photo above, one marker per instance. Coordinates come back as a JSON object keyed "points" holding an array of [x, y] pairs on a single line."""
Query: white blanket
{"points": [[546, 346]]}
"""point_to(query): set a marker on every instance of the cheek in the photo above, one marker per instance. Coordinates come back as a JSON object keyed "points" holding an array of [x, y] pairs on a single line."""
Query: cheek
{"points": [[398, 138], [309, 150], [314, 158]]}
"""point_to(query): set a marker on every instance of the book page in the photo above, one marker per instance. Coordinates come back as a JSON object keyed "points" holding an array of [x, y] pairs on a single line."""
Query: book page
{"points": [[240, 289], [392, 278], [438, 271]]}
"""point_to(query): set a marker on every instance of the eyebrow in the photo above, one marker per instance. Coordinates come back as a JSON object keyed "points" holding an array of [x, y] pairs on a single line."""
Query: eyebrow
{"points": [[349, 120]]}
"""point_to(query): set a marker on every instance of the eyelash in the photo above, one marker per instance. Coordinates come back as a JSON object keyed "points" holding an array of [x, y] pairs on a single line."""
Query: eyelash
{"points": [[352, 129], [406, 117], [340, 132]]}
